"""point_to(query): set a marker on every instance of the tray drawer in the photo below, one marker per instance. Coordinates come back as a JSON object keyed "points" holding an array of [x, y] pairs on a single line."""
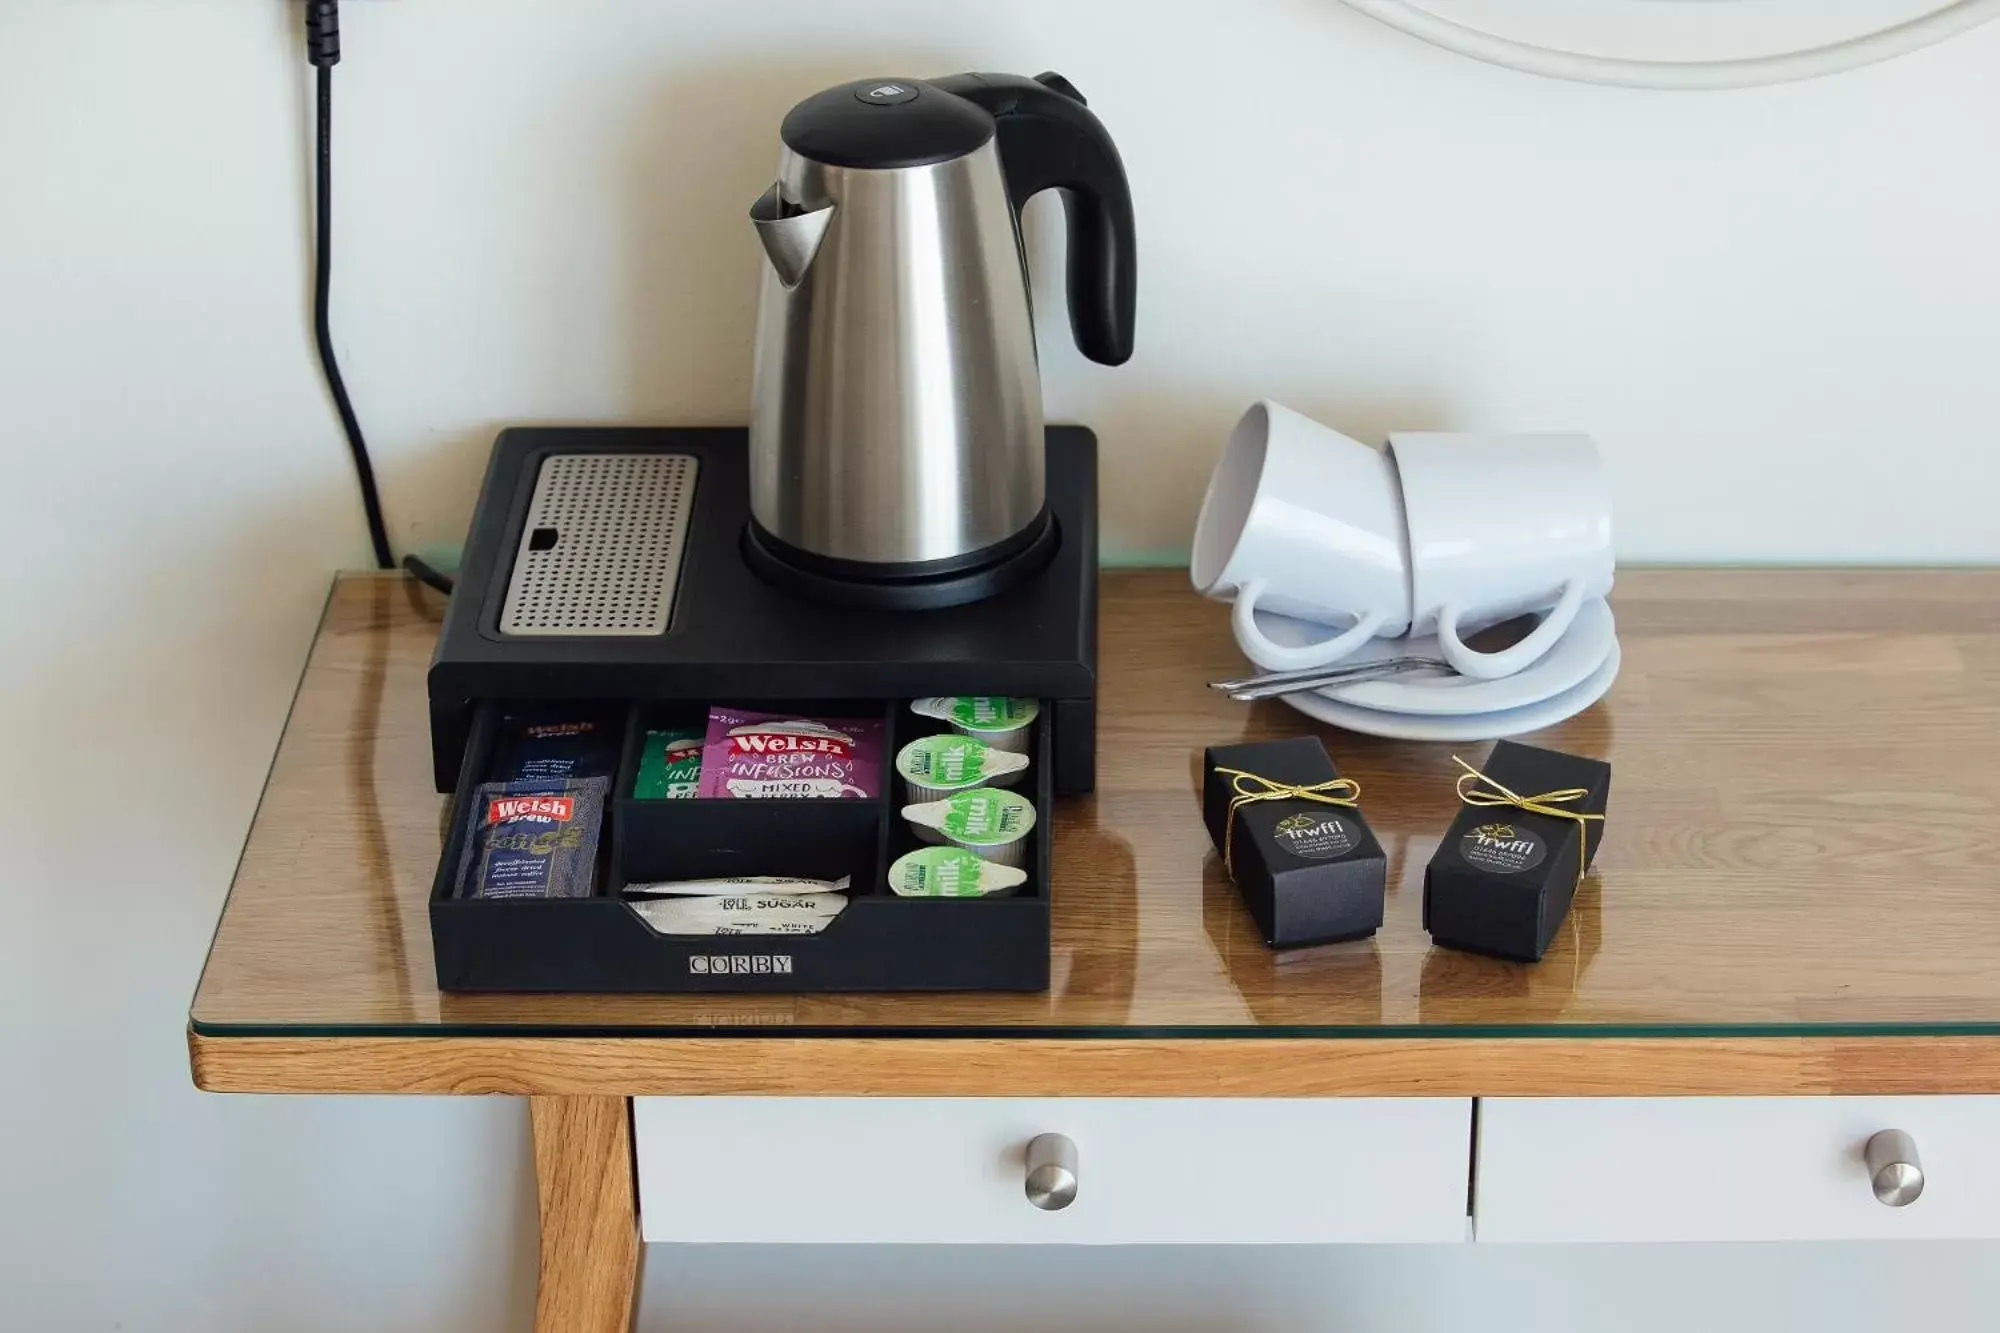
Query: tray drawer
{"points": [[879, 942], [1730, 1168], [1149, 1171]]}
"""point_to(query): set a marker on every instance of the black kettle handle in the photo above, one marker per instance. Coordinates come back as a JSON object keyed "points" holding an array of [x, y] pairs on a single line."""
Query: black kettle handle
{"points": [[1049, 139]]}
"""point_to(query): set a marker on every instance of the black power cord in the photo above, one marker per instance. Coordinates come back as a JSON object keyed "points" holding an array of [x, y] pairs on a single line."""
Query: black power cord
{"points": [[323, 50]]}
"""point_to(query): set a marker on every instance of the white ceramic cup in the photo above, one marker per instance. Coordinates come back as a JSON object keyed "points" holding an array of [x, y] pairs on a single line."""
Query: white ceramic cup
{"points": [[1443, 533], [1301, 520], [1500, 525]]}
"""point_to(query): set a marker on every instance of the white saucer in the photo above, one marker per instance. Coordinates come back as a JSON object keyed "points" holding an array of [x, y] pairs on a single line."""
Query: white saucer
{"points": [[1463, 727], [1579, 653]]}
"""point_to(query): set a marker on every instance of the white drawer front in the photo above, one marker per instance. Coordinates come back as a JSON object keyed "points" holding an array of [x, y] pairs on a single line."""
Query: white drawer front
{"points": [[1148, 1171], [1732, 1168]]}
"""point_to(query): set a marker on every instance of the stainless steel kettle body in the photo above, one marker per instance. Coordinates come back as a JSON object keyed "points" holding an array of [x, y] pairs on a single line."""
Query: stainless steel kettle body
{"points": [[897, 424]]}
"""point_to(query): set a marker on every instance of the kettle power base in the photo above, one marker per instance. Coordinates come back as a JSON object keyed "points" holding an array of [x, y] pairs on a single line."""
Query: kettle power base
{"points": [[809, 576], [631, 585]]}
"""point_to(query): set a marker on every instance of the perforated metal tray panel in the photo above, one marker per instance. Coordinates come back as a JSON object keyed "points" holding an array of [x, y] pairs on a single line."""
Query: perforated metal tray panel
{"points": [[601, 550]]}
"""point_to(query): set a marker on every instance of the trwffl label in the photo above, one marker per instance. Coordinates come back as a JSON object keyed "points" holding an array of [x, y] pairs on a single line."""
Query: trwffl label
{"points": [[740, 964], [1316, 837], [1503, 848]]}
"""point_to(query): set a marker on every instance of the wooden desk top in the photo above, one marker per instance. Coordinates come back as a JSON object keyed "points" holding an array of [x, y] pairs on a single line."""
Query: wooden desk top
{"points": [[1798, 890]]}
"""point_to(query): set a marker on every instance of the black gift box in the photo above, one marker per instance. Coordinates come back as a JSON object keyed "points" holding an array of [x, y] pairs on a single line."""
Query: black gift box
{"points": [[1501, 881], [1310, 873]]}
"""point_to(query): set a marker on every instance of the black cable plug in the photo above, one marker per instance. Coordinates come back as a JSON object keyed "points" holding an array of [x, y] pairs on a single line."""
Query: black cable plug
{"points": [[323, 32]]}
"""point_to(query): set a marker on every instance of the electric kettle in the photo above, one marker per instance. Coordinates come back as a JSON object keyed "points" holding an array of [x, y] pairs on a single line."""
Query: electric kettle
{"points": [[897, 427]]}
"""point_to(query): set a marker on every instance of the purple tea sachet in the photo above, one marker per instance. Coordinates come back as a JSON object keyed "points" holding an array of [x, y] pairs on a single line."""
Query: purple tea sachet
{"points": [[784, 756]]}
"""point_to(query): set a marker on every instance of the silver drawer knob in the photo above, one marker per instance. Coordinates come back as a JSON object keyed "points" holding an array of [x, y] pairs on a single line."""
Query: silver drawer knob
{"points": [[1894, 1168], [1051, 1172]]}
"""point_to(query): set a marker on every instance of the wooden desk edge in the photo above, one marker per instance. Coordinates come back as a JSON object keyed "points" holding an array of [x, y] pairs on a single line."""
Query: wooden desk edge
{"points": [[1091, 1067]]}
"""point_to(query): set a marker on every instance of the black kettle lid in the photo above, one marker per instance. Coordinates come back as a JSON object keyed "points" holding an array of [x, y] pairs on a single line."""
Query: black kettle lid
{"points": [[882, 124]]}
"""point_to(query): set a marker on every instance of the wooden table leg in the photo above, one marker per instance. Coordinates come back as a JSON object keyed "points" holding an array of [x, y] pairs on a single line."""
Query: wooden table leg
{"points": [[589, 1212]]}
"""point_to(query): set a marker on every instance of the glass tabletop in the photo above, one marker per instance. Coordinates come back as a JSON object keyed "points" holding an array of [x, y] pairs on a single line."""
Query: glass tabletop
{"points": [[1803, 837]]}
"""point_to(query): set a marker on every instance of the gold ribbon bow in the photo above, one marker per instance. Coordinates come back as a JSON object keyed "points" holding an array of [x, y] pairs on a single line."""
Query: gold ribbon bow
{"points": [[1250, 788], [1548, 803]]}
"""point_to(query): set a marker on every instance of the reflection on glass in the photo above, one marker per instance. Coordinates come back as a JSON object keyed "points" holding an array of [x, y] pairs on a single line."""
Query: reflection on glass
{"points": [[1095, 956], [1336, 984], [1465, 988]]}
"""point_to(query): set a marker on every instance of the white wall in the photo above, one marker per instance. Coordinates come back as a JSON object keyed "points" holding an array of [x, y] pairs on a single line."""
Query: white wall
{"points": [[1777, 310]]}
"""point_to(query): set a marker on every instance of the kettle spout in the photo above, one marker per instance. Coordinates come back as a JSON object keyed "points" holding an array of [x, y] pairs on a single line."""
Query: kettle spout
{"points": [[791, 234]]}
